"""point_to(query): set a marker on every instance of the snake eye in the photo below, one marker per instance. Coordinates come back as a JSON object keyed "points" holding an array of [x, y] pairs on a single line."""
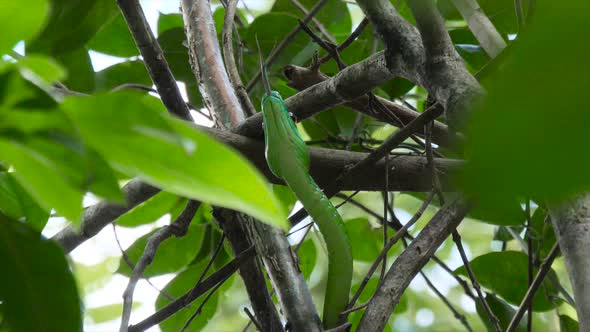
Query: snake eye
{"points": [[293, 117]]}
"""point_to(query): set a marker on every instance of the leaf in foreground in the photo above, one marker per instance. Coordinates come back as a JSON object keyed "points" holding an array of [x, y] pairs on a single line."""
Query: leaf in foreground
{"points": [[136, 136], [37, 288]]}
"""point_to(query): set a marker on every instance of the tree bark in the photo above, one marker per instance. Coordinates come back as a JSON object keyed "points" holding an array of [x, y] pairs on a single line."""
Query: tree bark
{"points": [[571, 221]]}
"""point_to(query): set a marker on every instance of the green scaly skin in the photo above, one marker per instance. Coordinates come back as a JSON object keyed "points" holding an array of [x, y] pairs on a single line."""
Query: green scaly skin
{"points": [[288, 158]]}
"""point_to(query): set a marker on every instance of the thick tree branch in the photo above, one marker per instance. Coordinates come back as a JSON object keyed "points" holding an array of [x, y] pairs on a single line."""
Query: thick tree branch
{"points": [[409, 263], [228, 57], [301, 78], [154, 59], [571, 221], [207, 64], [481, 26], [426, 57], [287, 279], [97, 216], [178, 228], [205, 57], [406, 173], [350, 83]]}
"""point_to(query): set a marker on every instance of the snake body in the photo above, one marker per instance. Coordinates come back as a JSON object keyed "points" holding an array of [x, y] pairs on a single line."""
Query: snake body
{"points": [[288, 158]]}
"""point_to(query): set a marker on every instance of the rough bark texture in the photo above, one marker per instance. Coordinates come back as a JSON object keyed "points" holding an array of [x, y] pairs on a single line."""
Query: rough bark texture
{"points": [[409, 263], [286, 277], [97, 216], [571, 221], [406, 173]]}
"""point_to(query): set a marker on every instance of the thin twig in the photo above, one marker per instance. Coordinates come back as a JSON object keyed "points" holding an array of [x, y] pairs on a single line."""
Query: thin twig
{"points": [[228, 57], [528, 298], [283, 44], [200, 308], [222, 274], [253, 319], [352, 37], [495, 321], [179, 228], [398, 235], [315, 21], [449, 305], [132, 266], [153, 58]]}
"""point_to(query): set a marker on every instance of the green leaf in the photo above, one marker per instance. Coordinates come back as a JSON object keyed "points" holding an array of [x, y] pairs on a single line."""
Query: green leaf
{"points": [[169, 21], [172, 255], [72, 24], [176, 53], [16, 91], [504, 211], [41, 180], [364, 239], [502, 310], [514, 159], [567, 324], [307, 257], [121, 73], [149, 211], [506, 274], [38, 67], [78, 64], [15, 202], [542, 233], [172, 154], [177, 287], [285, 196], [31, 121], [20, 20], [115, 39], [39, 293]]}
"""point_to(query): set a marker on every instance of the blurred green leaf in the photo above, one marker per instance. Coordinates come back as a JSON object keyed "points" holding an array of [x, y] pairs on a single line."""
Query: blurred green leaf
{"points": [[15, 202], [527, 138], [20, 20], [307, 257], [363, 239], [177, 287], [506, 274], [149, 211], [172, 255], [114, 38], [80, 70], [72, 23], [169, 21], [172, 155], [42, 68], [502, 310], [285, 196], [122, 73], [41, 179], [38, 291], [542, 233], [567, 324], [505, 211], [176, 53], [29, 121]]}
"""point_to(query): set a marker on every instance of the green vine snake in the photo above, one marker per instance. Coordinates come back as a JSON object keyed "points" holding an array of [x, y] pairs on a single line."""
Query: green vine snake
{"points": [[288, 158]]}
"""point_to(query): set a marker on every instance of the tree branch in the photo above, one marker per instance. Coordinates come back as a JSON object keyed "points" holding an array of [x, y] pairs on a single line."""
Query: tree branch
{"points": [[409, 263], [571, 222], [426, 57], [481, 26], [153, 58], [179, 228]]}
